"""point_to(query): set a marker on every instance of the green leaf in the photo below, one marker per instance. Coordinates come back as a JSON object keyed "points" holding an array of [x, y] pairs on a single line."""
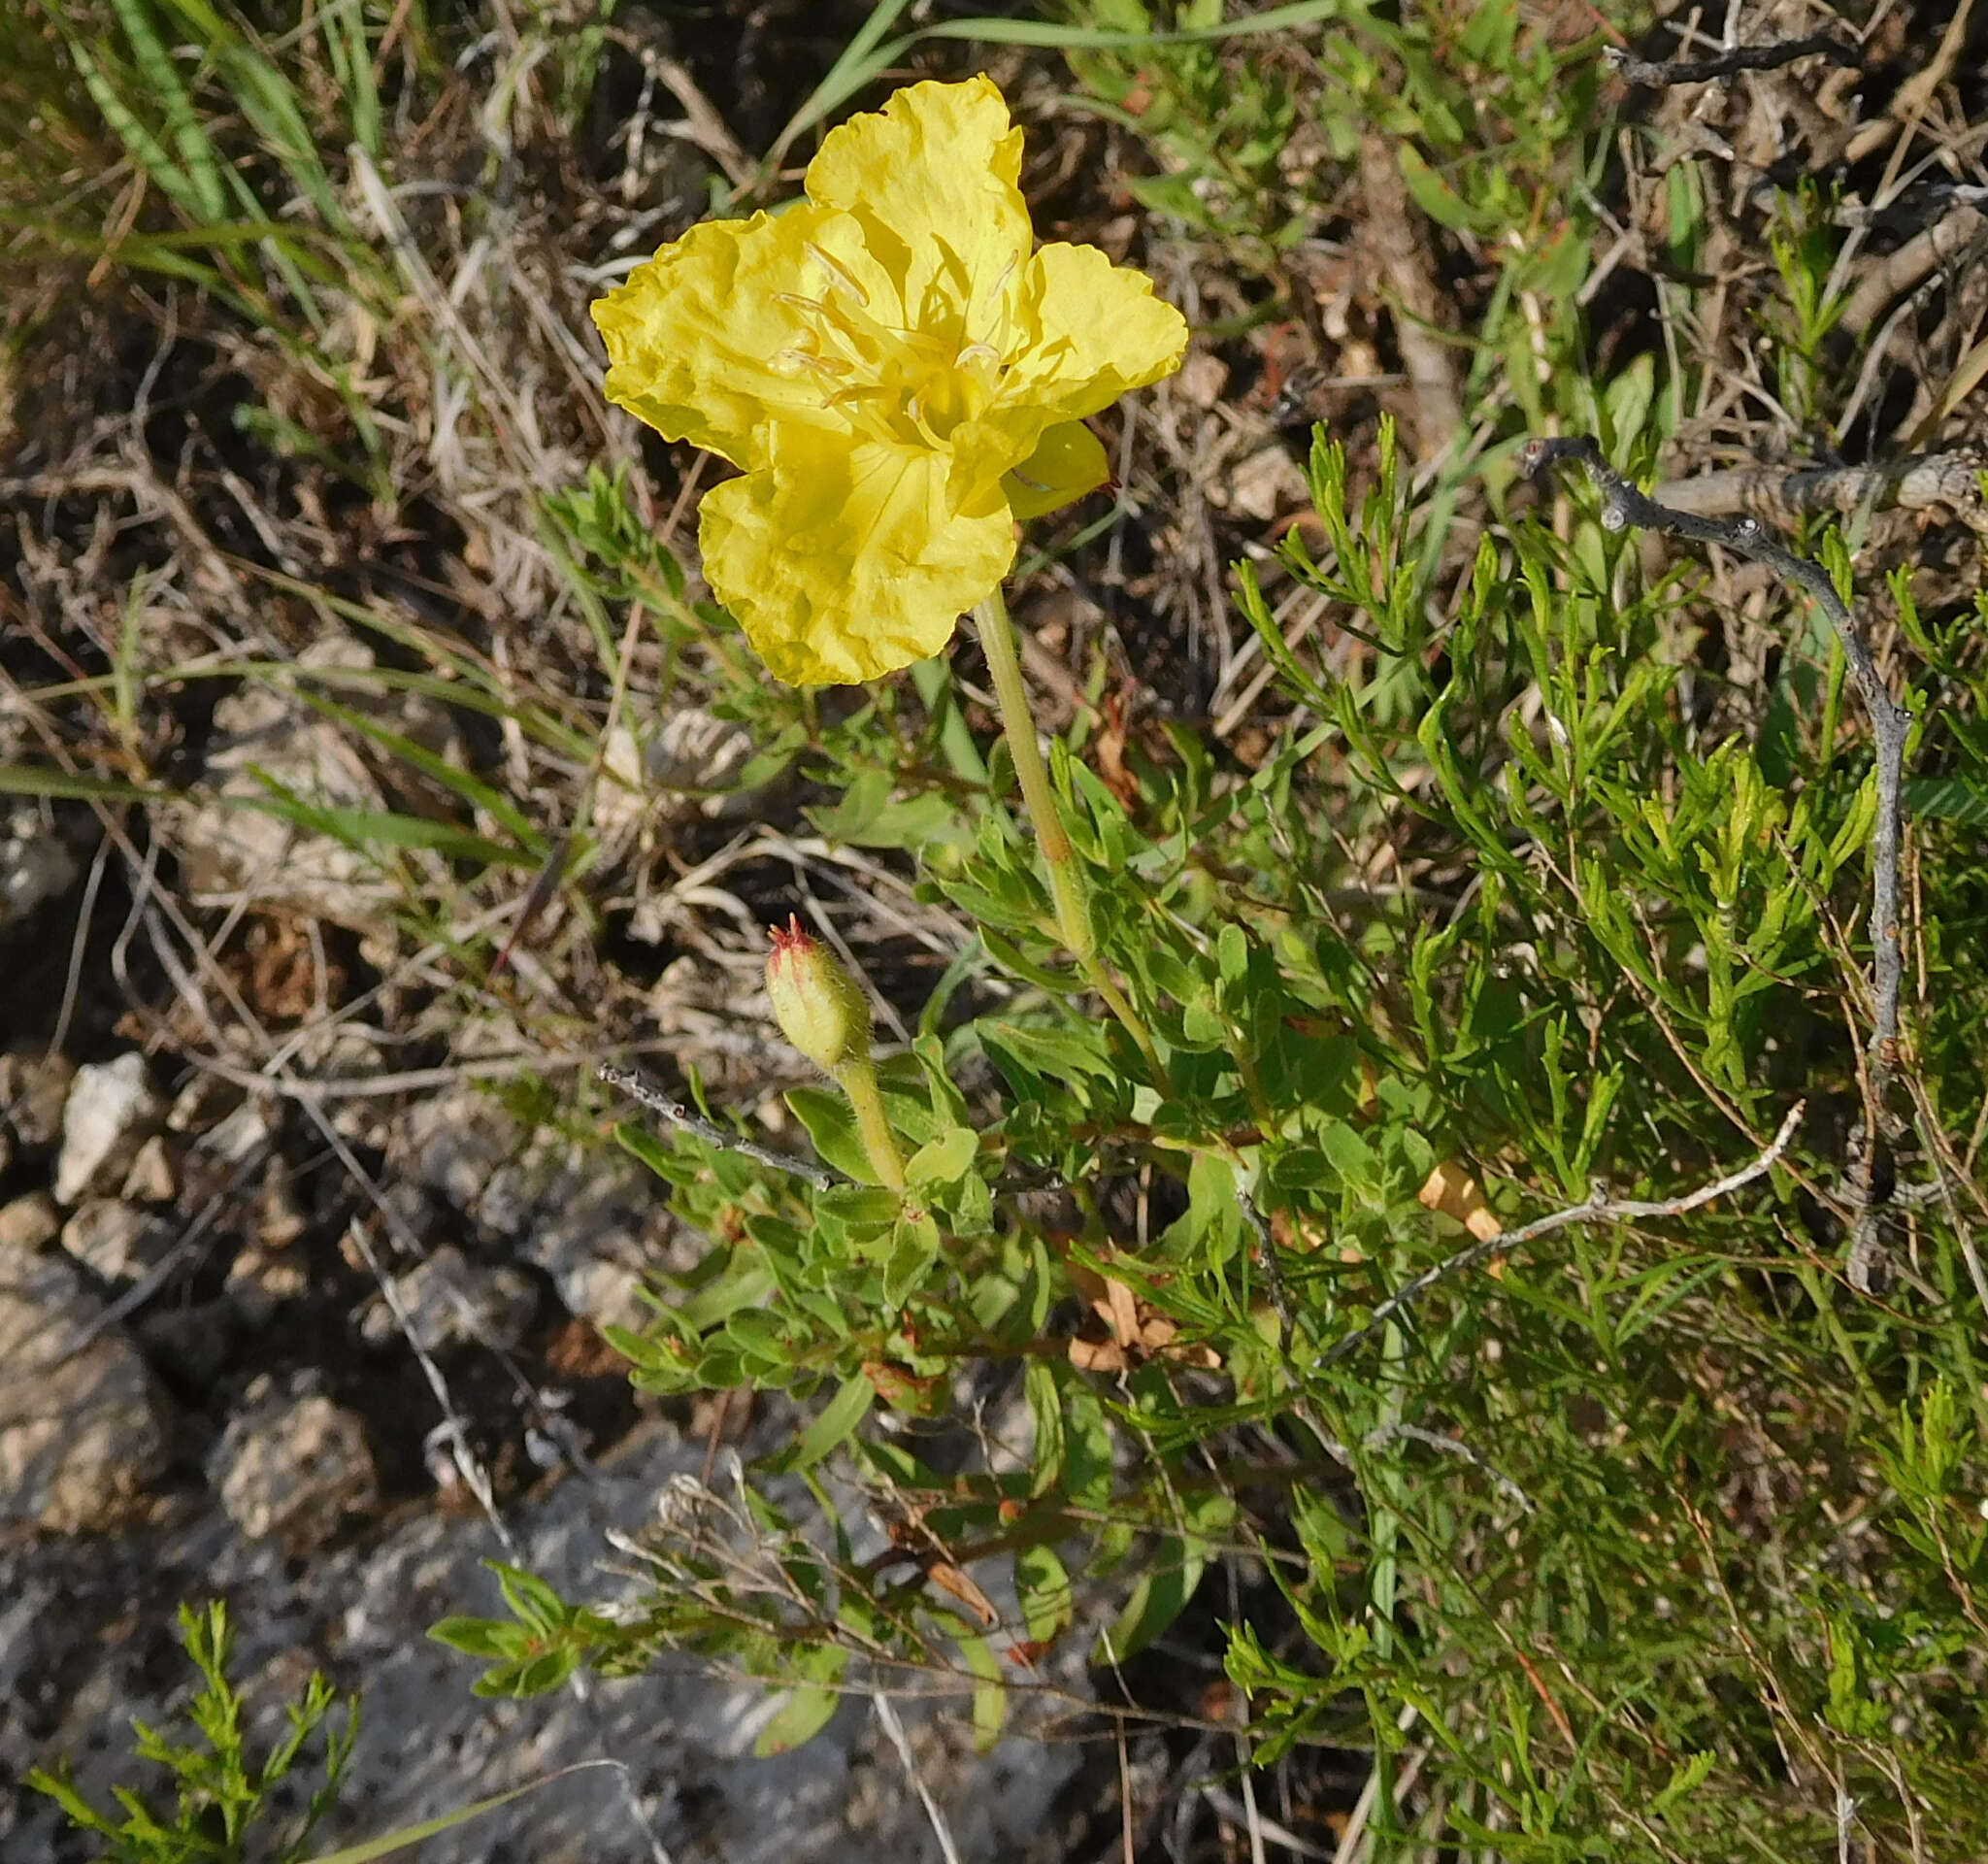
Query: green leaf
{"points": [[832, 1125], [1944, 799], [805, 1714], [834, 1425], [1046, 1409], [945, 1160], [1433, 194], [529, 1596], [399, 1840], [1686, 1777], [990, 1691], [1042, 1585], [482, 1636], [1159, 1597], [914, 1248]]}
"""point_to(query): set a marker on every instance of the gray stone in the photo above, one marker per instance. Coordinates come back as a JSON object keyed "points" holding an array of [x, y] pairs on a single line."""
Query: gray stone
{"points": [[293, 1466], [232, 851], [428, 1747], [597, 1227], [596, 1223], [451, 1300], [29, 1223], [81, 1422], [111, 1111], [116, 1241], [260, 1280], [36, 864], [151, 1178], [34, 1088]]}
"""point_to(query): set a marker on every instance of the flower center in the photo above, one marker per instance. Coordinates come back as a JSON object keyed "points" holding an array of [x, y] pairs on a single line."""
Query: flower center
{"points": [[906, 388]]}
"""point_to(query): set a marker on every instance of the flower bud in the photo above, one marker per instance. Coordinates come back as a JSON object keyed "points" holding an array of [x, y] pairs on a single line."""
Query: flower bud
{"points": [[820, 1009]]}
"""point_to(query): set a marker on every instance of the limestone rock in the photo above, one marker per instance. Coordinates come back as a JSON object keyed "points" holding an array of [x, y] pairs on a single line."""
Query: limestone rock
{"points": [[80, 1421], [293, 1466], [116, 1241], [29, 1223], [111, 1111], [450, 1299], [34, 1088]]}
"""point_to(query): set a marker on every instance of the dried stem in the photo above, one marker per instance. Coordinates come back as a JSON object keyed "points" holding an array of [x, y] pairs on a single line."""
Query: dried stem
{"points": [[677, 1115], [1729, 64], [1596, 1210], [1624, 508]]}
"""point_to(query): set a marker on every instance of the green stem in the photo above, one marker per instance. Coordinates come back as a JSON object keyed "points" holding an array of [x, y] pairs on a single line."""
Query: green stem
{"points": [[1059, 858], [858, 1080]]}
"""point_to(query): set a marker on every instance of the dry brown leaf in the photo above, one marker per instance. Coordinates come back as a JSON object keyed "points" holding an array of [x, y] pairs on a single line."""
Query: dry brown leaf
{"points": [[1096, 1355], [948, 1579], [1454, 1192]]}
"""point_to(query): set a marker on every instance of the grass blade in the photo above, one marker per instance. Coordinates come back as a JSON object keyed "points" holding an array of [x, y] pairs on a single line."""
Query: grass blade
{"points": [[200, 172]]}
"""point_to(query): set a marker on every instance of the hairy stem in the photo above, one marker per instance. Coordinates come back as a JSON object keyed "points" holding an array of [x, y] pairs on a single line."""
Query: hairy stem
{"points": [[858, 1080], [1059, 858]]}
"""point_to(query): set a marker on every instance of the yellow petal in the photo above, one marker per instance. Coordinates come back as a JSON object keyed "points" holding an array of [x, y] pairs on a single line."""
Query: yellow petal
{"points": [[1095, 330], [700, 339], [932, 180], [846, 562], [1068, 462]]}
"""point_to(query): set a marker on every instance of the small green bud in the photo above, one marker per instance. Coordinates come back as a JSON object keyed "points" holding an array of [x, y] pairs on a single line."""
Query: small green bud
{"points": [[820, 1009]]}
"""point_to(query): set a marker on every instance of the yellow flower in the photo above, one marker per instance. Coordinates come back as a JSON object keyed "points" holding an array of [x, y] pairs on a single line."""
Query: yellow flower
{"points": [[896, 371]]}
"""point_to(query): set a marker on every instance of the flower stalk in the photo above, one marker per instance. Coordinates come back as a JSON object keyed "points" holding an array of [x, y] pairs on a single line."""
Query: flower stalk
{"points": [[857, 1078], [1068, 893]]}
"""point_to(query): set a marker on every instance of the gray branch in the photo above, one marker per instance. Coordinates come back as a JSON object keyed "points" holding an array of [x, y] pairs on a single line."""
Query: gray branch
{"points": [[1624, 508], [1729, 64], [1596, 1210], [698, 1127]]}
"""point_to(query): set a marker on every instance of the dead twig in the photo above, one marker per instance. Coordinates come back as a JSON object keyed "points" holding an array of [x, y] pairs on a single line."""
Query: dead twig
{"points": [[1729, 64], [1596, 1210], [1623, 508], [1920, 481], [1944, 242], [698, 1127]]}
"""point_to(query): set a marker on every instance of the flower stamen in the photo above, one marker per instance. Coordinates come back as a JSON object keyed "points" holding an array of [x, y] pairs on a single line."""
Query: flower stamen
{"points": [[839, 274]]}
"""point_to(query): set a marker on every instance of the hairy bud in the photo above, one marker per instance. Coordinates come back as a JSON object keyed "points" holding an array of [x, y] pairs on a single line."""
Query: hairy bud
{"points": [[819, 1007]]}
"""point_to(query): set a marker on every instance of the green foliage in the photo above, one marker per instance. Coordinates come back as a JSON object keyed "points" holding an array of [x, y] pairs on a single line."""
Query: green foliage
{"points": [[1619, 959], [1218, 117], [220, 1789], [1657, 1541]]}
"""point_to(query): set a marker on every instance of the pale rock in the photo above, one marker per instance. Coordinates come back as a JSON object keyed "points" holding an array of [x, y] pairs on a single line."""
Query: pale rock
{"points": [[593, 1224], [29, 1223], [202, 1104], [460, 1143], [278, 1218], [115, 1241], [151, 1178], [111, 1111], [293, 1466], [449, 1300], [237, 1135], [260, 1280], [80, 1421], [36, 864], [1201, 379], [234, 850], [1266, 485], [34, 1088]]}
